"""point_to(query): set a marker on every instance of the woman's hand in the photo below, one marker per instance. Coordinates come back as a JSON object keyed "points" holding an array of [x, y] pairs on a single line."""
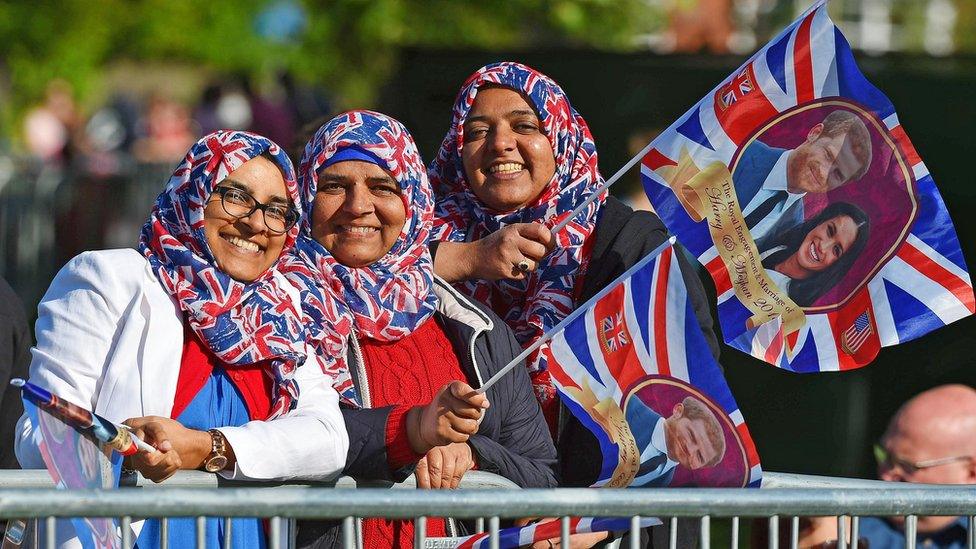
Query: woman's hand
{"points": [[190, 445], [510, 252], [444, 466], [159, 465], [452, 416]]}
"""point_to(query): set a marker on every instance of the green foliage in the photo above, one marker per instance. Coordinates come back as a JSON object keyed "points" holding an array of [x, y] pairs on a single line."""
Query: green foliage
{"points": [[348, 45]]}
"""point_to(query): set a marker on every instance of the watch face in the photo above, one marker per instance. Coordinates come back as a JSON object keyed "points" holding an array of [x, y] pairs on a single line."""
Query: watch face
{"points": [[215, 464]]}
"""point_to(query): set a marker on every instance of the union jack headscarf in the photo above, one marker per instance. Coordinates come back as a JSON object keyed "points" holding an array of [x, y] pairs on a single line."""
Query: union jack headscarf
{"points": [[241, 323], [537, 303], [390, 298]]}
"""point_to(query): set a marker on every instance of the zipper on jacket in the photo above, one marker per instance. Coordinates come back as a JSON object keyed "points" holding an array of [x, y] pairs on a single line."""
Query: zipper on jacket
{"points": [[361, 370], [367, 403]]}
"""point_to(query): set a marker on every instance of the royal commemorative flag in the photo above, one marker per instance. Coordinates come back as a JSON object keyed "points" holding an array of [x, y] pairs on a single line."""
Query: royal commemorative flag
{"points": [[795, 185], [77, 461], [633, 366]]}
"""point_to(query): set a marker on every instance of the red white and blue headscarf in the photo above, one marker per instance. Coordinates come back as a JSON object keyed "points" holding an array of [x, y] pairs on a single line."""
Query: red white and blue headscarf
{"points": [[391, 297], [241, 323], [536, 304]]}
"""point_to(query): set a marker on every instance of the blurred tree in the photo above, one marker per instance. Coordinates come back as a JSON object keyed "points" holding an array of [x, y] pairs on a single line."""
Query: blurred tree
{"points": [[349, 46]]}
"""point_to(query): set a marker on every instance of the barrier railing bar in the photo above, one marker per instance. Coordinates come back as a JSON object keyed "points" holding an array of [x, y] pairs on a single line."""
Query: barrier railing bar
{"points": [[735, 533], [479, 525], [275, 533], [38, 478], [794, 532], [164, 533], [201, 532], [564, 533], [841, 532], [635, 532], [855, 531], [228, 533], [493, 532], [911, 529], [773, 542], [971, 532], [295, 502], [349, 533], [673, 533], [126, 524], [420, 532], [50, 530], [705, 535]]}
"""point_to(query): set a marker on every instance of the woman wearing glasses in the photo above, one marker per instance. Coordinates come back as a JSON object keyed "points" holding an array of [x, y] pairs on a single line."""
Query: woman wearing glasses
{"points": [[196, 340]]}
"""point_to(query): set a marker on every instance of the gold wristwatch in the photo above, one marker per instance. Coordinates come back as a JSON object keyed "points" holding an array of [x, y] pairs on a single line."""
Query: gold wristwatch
{"points": [[217, 459]]}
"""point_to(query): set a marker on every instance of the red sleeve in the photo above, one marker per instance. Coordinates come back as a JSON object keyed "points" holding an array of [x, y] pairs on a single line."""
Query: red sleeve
{"points": [[398, 451]]}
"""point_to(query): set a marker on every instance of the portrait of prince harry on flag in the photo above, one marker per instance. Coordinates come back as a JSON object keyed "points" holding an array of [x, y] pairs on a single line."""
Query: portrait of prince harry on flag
{"points": [[684, 438]]}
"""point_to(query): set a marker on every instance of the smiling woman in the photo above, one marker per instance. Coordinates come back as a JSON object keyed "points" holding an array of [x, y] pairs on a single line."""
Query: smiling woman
{"points": [[245, 244], [207, 266], [808, 259], [409, 403]]}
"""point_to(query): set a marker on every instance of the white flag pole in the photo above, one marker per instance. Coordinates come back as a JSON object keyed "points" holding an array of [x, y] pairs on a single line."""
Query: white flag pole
{"points": [[572, 316], [626, 167]]}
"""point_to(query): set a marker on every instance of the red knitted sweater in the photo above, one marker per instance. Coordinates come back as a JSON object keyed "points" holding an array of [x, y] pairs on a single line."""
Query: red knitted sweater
{"points": [[406, 373]]}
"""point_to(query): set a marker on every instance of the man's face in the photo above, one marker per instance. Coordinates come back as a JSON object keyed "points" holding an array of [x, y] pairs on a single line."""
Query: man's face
{"points": [[688, 442], [907, 442], [821, 163]]}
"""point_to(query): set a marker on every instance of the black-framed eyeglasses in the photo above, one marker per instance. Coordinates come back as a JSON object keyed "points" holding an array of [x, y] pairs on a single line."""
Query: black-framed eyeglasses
{"points": [[888, 460], [238, 203]]}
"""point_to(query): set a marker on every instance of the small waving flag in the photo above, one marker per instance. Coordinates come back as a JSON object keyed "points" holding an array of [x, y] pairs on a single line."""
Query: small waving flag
{"points": [[795, 185], [633, 366], [67, 437]]}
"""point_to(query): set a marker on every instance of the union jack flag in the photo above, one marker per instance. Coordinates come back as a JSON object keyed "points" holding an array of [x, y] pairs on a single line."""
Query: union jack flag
{"points": [[614, 334], [911, 279], [739, 87], [668, 351]]}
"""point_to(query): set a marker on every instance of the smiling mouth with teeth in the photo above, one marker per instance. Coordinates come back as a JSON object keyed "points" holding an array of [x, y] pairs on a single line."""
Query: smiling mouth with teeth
{"points": [[360, 230], [813, 252], [507, 167], [243, 244]]}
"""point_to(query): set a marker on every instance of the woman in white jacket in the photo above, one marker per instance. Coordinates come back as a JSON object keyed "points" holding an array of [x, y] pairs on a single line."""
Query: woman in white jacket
{"points": [[196, 340]]}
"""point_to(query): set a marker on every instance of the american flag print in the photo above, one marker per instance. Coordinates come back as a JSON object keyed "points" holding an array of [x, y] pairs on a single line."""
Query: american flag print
{"points": [[666, 347], [915, 283], [858, 333], [241, 323], [388, 299]]}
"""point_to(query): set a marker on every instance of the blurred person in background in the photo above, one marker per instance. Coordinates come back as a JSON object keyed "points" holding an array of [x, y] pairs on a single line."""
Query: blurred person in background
{"points": [[206, 113], [412, 336], [516, 160], [15, 343], [50, 127], [167, 131], [930, 440]]}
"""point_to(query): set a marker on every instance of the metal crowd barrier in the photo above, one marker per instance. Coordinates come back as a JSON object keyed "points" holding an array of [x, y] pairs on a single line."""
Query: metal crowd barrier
{"points": [[484, 496]]}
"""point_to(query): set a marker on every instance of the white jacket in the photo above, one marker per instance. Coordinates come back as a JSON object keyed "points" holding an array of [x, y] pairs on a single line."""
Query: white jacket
{"points": [[109, 337]]}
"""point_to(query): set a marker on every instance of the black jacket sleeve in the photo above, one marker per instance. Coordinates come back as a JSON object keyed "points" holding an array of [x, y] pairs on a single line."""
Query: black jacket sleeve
{"points": [[366, 458], [519, 446]]}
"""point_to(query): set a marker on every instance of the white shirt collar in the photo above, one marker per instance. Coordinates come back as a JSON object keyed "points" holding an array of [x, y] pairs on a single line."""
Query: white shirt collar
{"points": [[776, 179], [657, 437]]}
